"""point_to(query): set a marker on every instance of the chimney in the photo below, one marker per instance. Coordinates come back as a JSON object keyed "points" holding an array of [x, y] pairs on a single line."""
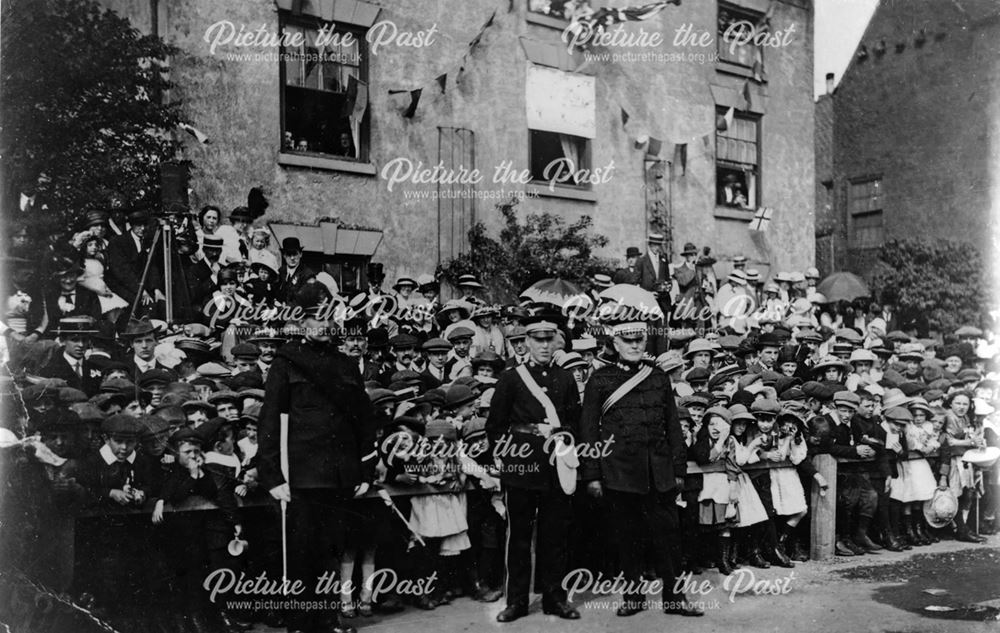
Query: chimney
{"points": [[829, 83]]}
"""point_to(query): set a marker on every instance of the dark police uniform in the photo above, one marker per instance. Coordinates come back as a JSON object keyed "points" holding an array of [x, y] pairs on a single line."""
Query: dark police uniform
{"points": [[331, 449], [645, 455], [532, 487]]}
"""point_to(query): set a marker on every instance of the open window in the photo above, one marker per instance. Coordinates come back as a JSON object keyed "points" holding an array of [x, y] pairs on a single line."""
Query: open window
{"points": [[737, 162], [561, 125], [324, 81], [737, 27]]}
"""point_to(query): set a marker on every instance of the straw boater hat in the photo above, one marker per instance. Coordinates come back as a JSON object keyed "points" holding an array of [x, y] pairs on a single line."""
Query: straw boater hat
{"points": [[940, 509]]}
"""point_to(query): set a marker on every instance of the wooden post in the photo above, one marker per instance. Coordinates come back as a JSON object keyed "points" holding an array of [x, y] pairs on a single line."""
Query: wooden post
{"points": [[823, 522]]}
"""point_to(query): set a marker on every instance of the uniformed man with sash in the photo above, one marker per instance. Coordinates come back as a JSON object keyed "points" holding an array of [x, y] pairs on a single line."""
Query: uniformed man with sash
{"points": [[629, 411], [535, 409]]}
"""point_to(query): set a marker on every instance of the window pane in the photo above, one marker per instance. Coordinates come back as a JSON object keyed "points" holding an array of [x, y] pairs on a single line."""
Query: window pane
{"points": [[293, 60]]}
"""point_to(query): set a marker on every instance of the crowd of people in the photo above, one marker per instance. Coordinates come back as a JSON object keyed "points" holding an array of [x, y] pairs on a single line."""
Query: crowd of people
{"points": [[438, 438]]}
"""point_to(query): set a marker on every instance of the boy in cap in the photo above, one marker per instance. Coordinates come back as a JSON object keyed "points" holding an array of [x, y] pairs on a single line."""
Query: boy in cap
{"points": [[830, 433], [116, 476], [184, 536], [459, 362], [517, 350]]}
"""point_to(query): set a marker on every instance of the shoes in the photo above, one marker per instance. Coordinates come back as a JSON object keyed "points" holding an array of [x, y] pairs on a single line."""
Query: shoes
{"points": [[365, 609], [862, 540], [798, 553], [756, 560], [725, 544], [630, 606], [485, 594], [348, 611], [969, 537], [561, 609], [392, 604], [890, 542], [683, 607], [779, 559], [512, 613], [841, 549], [854, 547]]}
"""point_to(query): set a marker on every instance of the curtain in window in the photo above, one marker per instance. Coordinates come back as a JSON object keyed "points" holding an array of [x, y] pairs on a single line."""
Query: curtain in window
{"points": [[572, 152]]}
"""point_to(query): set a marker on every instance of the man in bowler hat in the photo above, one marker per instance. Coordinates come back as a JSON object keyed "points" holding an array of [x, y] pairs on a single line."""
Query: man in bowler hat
{"points": [[292, 275]]}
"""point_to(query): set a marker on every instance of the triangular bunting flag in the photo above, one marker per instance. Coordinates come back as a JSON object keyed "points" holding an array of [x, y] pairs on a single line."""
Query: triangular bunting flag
{"points": [[706, 141], [758, 65], [728, 118], [625, 117], [200, 136], [414, 100], [765, 20], [681, 156], [442, 80], [27, 201], [655, 145], [747, 96]]}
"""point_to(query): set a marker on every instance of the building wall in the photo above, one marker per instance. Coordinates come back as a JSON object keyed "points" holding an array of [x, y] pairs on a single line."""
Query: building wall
{"points": [[237, 104], [923, 117]]}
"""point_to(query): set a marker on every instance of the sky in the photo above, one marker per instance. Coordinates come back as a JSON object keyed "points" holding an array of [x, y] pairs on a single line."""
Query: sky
{"points": [[838, 28]]}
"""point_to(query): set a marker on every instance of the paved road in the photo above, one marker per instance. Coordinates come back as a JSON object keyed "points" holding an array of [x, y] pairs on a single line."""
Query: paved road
{"points": [[882, 593]]}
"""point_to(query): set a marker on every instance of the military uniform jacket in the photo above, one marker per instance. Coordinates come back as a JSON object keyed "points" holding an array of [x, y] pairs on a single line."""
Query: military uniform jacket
{"points": [[331, 428], [640, 434], [514, 416]]}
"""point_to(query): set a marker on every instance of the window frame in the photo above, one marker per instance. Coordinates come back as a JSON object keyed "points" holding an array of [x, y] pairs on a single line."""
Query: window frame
{"points": [[855, 215], [586, 161], [758, 121], [750, 15], [302, 158]]}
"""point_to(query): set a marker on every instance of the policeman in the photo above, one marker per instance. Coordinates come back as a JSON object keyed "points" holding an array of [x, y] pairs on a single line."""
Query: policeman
{"points": [[533, 403], [629, 412], [330, 455]]}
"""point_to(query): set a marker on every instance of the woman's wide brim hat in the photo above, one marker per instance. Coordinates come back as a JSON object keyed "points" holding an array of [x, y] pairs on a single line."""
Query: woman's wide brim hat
{"points": [[940, 509], [982, 457]]}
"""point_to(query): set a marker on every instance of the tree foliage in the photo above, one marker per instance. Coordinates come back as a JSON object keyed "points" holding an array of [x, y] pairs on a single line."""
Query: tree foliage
{"points": [[539, 247], [84, 121], [935, 284]]}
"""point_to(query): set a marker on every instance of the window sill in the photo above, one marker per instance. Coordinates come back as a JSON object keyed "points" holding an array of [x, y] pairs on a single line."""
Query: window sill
{"points": [[329, 164], [546, 20], [730, 68], [733, 213], [566, 193]]}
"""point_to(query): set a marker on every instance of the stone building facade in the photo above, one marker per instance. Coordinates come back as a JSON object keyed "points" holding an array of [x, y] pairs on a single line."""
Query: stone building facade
{"points": [[515, 98]]}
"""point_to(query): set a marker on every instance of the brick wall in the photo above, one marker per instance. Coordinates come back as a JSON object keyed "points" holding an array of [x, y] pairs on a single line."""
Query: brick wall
{"points": [[924, 117]]}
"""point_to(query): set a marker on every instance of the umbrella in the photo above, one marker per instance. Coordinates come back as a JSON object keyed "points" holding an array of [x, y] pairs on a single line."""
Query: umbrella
{"points": [[556, 292], [843, 286], [637, 304]]}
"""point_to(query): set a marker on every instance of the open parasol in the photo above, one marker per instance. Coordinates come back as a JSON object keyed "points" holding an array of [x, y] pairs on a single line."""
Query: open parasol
{"points": [[843, 286], [632, 302], [557, 292]]}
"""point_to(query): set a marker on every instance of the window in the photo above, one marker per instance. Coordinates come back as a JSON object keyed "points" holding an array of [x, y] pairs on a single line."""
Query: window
{"points": [[737, 162], [558, 157], [736, 26], [864, 201], [324, 90]]}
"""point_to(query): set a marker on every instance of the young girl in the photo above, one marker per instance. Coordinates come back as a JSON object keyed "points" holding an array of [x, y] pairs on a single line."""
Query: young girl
{"points": [[755, 442], [718, 500], [959, 436], [916, 483], [441, 518], [93, 278], [781, 441]]}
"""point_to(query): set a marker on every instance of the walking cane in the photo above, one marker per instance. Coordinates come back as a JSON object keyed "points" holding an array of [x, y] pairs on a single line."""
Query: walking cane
{"points": [[283, 450]]}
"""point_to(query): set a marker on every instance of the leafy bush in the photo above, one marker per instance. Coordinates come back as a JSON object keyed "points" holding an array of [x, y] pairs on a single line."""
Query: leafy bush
{"points": [[84, 123], [935, 284], [540, 247]]}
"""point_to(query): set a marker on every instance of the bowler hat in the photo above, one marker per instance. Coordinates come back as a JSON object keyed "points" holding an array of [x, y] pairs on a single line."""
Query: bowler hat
{"points": [[689, 249], [632, 251], [96, 218], [291, 245]]}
